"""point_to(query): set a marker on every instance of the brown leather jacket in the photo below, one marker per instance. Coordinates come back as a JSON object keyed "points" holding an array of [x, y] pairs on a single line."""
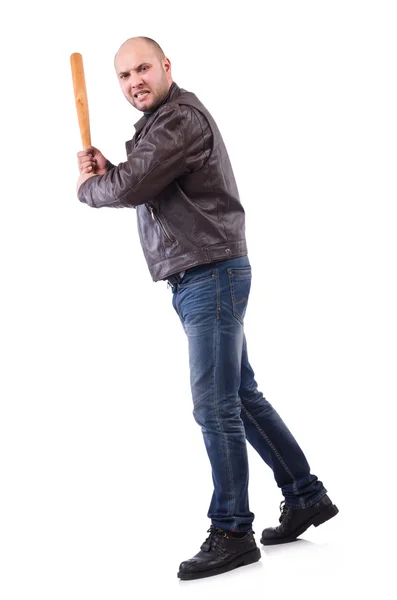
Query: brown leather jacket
{"points": [[179, 178]]}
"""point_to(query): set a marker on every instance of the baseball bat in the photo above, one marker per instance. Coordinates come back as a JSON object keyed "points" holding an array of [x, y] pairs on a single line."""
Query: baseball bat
{"points": [[80, 96]]}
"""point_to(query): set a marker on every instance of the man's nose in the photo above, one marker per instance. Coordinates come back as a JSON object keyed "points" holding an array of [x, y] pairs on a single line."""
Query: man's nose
{"points": [[136, 82]]}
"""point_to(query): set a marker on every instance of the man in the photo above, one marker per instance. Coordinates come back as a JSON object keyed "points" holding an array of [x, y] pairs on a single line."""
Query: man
{"points": [[179, 179]]}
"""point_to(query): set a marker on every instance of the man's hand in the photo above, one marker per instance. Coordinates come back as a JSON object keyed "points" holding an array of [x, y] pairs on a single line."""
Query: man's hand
{"points": [[83, 177], [91, 160]]}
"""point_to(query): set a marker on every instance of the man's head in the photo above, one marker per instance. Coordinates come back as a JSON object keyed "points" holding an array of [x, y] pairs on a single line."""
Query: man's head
{"points": [[144, 73]]}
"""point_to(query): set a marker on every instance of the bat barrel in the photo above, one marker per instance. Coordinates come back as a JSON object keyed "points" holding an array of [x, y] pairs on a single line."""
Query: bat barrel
{"points": [[80, 96]]}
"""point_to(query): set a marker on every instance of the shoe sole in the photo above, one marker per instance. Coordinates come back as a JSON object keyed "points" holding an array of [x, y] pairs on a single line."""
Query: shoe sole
{"points": [[327, 513], [242, 560]]}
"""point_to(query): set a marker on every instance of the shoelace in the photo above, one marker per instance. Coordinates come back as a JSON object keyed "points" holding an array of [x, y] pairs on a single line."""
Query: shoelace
{"points": [[213, 541], [283, 509]]}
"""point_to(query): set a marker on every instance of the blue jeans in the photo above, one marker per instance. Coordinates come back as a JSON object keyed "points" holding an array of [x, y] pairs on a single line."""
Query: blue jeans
{"points": [[211, 302]]}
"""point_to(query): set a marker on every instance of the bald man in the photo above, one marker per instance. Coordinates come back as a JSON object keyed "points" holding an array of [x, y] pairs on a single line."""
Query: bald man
{"points": [[191, 225]]}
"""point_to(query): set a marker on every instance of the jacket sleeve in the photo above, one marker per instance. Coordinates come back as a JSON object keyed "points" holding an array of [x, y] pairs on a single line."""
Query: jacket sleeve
{"points": [[158, 159], [109, 166]]}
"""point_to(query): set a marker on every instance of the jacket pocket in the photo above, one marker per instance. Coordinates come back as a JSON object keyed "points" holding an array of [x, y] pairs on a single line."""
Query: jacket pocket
{"points": [[240, 286], [156, 217]]}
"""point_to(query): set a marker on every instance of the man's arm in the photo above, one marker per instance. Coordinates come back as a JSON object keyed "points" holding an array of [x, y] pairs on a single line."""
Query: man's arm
{"points": [[150, 167]]}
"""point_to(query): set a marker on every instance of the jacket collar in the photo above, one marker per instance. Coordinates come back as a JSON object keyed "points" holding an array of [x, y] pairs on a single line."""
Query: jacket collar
{"points": [[172, 92]]}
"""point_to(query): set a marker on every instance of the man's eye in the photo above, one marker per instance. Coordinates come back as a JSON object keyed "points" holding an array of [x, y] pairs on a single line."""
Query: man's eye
{"points": [[144, 68]]}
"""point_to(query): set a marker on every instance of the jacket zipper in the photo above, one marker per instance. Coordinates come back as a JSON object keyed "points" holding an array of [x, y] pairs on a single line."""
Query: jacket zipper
{"points": [[155, 217]]}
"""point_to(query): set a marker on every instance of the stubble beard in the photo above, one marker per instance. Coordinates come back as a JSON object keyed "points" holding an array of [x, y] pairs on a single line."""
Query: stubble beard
{"points": [[157, 96]]}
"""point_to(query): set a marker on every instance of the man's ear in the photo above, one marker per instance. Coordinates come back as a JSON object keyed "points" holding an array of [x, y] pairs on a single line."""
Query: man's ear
{"points": [[167, 65]]}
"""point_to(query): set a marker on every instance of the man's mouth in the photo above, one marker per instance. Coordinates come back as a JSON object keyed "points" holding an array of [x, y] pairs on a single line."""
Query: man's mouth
{"points": [[141, 95]]}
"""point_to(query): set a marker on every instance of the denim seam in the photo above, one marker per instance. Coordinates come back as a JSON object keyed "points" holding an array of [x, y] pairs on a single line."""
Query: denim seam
{"points": [[177, 305], [232, 292], [282, 462], [218, 294], [236, 272], [216, 404]]}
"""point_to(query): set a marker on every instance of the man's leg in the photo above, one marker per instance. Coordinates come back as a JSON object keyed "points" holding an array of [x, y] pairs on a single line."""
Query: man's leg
{"points": [[306, 500], [215, 336], [215, 339], [268, 434]]}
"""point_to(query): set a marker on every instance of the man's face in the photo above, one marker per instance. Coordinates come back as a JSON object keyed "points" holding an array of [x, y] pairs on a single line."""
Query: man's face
{"points": [[144, 77]]}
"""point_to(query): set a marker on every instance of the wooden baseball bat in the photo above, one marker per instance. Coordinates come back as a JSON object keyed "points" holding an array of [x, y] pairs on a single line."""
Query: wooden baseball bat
{"points": [[80, 96]]}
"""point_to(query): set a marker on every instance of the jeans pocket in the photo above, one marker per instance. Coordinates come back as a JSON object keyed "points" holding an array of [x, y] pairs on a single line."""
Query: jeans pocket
{"points": [[240, 286]]}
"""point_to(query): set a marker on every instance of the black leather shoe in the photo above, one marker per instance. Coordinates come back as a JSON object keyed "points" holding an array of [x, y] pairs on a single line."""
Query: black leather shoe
{"points": [[295, 521], [219, 553]]}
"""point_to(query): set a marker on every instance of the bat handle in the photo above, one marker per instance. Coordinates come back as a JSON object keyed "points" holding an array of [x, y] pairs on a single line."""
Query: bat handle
{"points": [[86, 138]]}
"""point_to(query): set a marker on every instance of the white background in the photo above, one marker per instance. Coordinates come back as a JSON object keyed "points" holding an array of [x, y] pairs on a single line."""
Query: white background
{"points": [[105, 482]]}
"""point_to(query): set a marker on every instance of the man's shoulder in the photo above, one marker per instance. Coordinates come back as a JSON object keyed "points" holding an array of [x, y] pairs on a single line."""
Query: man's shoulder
{"points": [[191, 118], [186, 98], [185, 106], [181, 107]]}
